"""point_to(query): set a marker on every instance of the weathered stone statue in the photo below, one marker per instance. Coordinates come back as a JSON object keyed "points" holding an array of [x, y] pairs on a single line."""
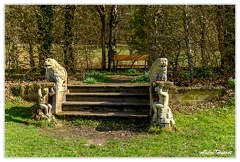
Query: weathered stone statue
{"points": [[43, 100], [162, 113], [158, 70], [55, 72], [43, 109], [159, 98], [56, 77]]}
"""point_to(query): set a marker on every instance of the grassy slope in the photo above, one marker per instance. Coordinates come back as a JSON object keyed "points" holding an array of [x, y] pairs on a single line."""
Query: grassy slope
{"points": [[208, 130]]}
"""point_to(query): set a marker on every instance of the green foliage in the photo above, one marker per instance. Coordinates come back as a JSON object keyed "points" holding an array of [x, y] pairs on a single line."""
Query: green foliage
{"points": [[16, 90], [231, 83], [94, 77], [88, 122], [131, 72], [203, 73], [138, 26], [151, 29], [154, 129], [27, 77], [42, 123], [90, 80], [45, 25], [186, 75], [143, 78], [199, 73], [95, 74], [231, 103]]}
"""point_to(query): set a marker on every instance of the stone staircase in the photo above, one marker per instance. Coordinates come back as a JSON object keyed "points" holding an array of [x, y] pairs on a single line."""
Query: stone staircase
{"points": [[116, 100]]}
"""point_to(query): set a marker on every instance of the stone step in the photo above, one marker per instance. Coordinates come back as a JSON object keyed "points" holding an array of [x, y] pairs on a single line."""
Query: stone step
{"points": [[104, 106], [110, 97], [122, 100], [104, 114], [108, 88]]}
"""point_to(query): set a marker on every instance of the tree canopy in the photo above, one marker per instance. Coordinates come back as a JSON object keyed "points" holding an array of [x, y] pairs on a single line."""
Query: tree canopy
{"points": [[190, 36]]}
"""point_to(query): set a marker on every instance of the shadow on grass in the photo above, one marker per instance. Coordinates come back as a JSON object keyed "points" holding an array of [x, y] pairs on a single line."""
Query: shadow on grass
{"points": [[129, 124], [18, 114], [106, 124]]}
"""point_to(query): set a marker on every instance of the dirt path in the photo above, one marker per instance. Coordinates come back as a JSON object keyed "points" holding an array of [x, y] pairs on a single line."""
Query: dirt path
{"points": [[99, 135]]}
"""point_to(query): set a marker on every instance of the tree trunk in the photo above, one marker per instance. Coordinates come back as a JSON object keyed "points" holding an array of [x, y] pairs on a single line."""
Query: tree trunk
{"points": [[112, 36], [155, 33], [158, 29], [32, 62], [176, 59], [202, 33], [45, 25], [68, 41], [186, 22], [102, 13]]}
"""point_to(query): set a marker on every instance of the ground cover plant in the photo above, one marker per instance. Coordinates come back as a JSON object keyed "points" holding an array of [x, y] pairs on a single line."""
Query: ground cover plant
{"points": [[95, 77], [131, 72], [202, 132], [143, 78]]}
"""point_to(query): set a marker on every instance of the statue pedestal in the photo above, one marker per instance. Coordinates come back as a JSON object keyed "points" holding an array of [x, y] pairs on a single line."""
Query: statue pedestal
{"points": [[59, 98], [164, 117]]}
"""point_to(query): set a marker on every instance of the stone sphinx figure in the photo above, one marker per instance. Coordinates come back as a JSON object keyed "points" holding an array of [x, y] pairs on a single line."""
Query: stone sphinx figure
{"points": [[55, 72], [158, 70]]}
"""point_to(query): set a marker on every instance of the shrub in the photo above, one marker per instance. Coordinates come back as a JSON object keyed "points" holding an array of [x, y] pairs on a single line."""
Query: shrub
{"points": [[231, 83], [90, 80], [186, 75], [95, 74], [203, 73], [94, 77], [231, 103], [131, 72], [141, 78]]}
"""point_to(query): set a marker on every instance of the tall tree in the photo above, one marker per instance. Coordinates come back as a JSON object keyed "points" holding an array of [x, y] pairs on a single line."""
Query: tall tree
{"points": [[112, 35], [45, 25], [68, 41], [11, 37], [155, 25], [103, 15], [202, 20], [138, 27], [226, 37], [186, 22]]}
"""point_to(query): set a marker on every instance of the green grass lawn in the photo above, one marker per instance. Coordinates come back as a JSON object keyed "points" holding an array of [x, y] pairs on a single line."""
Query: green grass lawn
{"points": [[201, 133]]}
